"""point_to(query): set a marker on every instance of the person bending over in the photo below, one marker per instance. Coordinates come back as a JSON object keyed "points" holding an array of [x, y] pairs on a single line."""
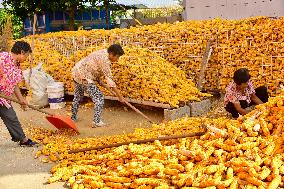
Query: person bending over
{"points": [[96, 67]]}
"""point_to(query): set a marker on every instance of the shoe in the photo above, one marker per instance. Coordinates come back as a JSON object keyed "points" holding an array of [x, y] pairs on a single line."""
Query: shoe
{"points": [[75, 119], [100, 124], [29, 142]]}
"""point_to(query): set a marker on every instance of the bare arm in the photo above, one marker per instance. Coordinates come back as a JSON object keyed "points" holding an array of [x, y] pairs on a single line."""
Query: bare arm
{"points": [[240, 109], [110, 84], [18, 94], [20, 97], [255, 99]]}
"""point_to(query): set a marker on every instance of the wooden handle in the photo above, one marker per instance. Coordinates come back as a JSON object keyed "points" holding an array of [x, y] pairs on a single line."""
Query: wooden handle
{"points": [[138, 111], [30, 106], [142, 102], [33, 46], [40, 110], [127, 103], [138, 142], [205, 59]]}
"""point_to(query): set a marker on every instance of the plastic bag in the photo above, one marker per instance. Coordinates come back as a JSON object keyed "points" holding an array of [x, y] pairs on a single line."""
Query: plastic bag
{"points": [[38, 84]]}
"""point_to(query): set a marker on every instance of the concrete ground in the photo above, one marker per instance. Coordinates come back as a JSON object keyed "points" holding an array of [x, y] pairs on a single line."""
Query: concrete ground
{"points": [[19, 169]]}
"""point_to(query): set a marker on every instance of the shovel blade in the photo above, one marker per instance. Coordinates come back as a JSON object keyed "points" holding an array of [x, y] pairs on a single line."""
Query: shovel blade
{"points": [[62, 122]]}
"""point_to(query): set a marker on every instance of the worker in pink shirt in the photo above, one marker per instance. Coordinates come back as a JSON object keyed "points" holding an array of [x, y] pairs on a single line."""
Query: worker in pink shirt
{"points": [[10, 76], [241, 94]]}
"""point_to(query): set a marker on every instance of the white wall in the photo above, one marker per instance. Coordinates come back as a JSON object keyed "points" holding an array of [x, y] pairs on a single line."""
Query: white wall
{"points": [[231, 9], [1, 6]]}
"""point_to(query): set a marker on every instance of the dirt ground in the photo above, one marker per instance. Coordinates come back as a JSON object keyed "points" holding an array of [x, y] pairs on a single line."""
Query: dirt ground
{"points": [[19, 169]]}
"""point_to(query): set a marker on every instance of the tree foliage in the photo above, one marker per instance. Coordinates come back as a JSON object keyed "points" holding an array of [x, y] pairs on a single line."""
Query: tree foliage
{"points": [[27, 8], [70, 7], [16, 22]]}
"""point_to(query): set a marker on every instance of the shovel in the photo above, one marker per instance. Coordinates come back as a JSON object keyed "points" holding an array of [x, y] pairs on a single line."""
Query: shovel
{"points": [[60, 122], [127, 103]]}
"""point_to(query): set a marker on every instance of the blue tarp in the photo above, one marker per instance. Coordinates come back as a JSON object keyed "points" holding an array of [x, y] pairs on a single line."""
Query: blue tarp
{"points": [[95, 14], [58, 15], [87, 15], [40, 21], [27, 23], [102, 15], [78, 16]]}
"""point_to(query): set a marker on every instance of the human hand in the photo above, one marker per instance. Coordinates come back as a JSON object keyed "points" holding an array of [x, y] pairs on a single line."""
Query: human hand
{"points": [[122, 100], [24, 104]]}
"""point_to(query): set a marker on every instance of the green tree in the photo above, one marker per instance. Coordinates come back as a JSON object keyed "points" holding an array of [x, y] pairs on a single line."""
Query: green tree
{"points": [[16, 21], [70, 6], [27, 8], [109, 5]]}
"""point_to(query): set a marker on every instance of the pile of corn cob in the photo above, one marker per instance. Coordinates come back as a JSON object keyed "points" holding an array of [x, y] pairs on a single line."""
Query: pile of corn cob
{"points": [[255, 43], [247, 154], [139, 74]]}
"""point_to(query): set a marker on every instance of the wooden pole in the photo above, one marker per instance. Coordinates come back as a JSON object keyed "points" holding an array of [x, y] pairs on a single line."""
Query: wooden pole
{"points": [[106, 4], [205, 59], [128, 104], [139, 112], [139, 142], [33, 47], [30, 106], [143, 102]]}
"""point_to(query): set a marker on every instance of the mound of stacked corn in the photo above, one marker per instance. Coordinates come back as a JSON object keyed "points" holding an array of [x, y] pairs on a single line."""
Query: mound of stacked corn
{"points": [[255, 43], [54, 63], [140, 74], [249, 155]]}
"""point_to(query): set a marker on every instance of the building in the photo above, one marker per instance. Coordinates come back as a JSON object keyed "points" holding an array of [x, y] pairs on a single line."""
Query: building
{"points": [[148, 16], [231, 9], [59, 20]]}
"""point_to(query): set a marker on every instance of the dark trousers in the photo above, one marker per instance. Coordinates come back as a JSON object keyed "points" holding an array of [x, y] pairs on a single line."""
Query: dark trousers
{"points": [[260, 92], [12, 123]]}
